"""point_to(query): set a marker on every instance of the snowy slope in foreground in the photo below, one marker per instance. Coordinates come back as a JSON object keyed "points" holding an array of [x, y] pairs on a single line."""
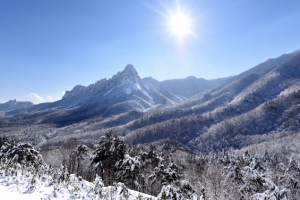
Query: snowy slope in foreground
{"points": [[23, 187]]}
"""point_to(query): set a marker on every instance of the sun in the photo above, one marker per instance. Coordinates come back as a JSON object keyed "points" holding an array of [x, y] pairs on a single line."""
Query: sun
{"points": [[179, 21], [180, 24]]}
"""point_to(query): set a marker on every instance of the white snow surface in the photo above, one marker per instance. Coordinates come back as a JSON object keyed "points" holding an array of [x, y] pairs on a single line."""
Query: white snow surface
{"points": [[21, 188], [131, 86]]}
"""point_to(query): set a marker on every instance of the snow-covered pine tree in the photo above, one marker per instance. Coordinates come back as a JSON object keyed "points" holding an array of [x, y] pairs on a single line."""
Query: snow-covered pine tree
{"points": [[186, 189], [109, 151], [171, 174], [128, 169], [25, 154], [62, 174], [291, 179], [149, 159], [80, 152], [170, 192], [232, 179], [272, 192], [171, 179], [156, 177], [5, 145]]}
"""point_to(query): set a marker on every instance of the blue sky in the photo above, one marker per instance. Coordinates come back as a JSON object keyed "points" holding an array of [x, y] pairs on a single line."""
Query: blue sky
{"points": [[49, 46]]}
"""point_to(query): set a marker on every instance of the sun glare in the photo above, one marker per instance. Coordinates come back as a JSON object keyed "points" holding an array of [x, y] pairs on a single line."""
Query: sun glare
{"points": [[180, 24]]}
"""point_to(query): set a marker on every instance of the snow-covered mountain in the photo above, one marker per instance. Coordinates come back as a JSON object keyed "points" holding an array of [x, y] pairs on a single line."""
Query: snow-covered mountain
{"points": [[126, 83], [191, 85], [263, 100], [14, 104], [124, 92], [272, 62], [235, 115]]}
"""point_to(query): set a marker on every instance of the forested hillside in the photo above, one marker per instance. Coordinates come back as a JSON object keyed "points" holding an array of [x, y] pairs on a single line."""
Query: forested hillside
{"points": [[111, 169]]}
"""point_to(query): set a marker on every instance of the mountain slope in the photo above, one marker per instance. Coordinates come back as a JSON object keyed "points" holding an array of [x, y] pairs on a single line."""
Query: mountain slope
{"points": [[272, 62], [191, 85]]}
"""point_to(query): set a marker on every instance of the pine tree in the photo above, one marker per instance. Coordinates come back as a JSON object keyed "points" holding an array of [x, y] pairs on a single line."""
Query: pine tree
{"points": [[6, 145], [110, 150], [127, 169], [167, 175], [171, 179], [291, 178], [24, 154], [170, 192], [149, 160], [81, 152]]}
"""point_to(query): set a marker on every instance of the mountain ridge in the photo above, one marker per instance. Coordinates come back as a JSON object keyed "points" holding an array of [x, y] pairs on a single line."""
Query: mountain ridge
{"points": [[14, 104], [124, 92], [251, 108]]}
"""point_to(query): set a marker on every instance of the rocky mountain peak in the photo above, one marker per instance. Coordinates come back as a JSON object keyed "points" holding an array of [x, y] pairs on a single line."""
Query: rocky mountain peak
{"points": [[129, 71], [12, 101], [127, 78], [129, 67]]}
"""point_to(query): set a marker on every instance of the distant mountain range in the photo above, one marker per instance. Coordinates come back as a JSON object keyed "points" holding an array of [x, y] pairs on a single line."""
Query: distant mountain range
{"points": [[202, 115], [14, 104]]}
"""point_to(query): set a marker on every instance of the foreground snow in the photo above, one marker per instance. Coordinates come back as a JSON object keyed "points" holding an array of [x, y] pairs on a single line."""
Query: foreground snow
{"points": [[23, 187]]}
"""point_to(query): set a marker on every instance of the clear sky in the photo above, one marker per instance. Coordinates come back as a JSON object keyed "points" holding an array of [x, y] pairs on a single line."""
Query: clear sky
{"points": [[49, 46]]}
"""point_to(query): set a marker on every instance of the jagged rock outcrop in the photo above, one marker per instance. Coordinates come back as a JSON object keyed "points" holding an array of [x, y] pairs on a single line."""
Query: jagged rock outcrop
{"points": [[14, 105]]}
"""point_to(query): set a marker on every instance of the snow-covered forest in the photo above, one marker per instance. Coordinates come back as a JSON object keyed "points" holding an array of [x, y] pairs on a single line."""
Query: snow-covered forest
{"points": [[150, 100], [113, 170], [236, 141]]}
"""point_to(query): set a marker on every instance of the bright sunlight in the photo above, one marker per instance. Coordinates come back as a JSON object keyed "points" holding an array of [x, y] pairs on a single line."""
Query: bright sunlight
{"points": [[180, 24]]}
